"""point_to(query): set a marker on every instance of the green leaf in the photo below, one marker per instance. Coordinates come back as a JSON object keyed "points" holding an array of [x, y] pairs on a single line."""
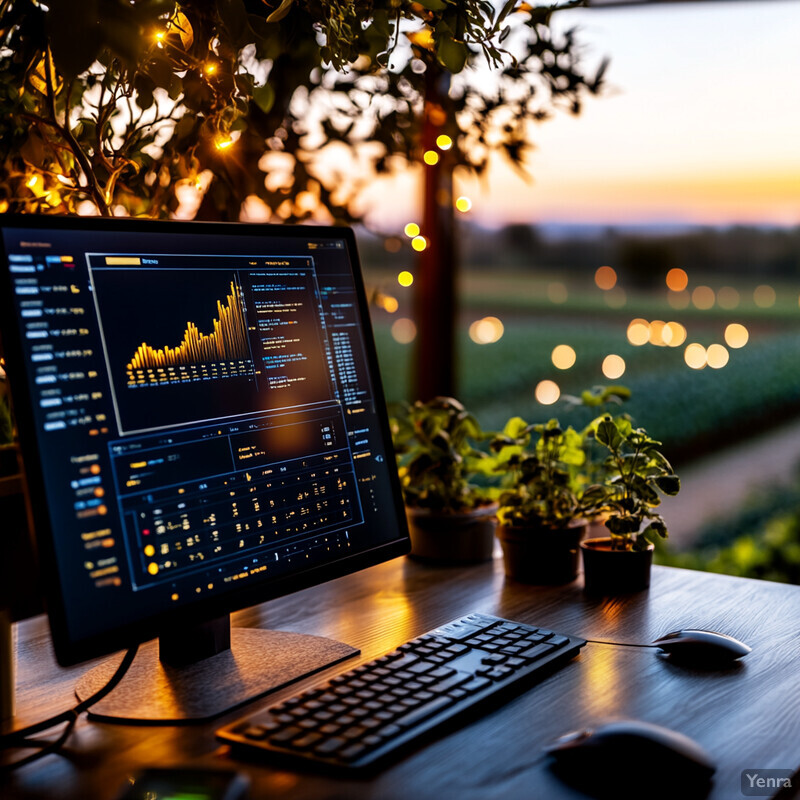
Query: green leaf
{"points": [[264, 97], [669, 484], [608, 434], [451, 54]]}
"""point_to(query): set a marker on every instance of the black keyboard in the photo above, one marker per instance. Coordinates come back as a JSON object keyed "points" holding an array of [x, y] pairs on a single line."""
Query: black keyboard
{"points": [[364, 715]]}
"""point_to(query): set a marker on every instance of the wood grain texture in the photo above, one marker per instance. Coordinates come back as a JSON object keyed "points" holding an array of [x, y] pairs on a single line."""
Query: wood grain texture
{"points": [[747, 717]]}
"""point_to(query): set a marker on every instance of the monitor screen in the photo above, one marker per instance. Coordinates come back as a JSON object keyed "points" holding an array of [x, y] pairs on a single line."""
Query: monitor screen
{"points": [[200, 414]]}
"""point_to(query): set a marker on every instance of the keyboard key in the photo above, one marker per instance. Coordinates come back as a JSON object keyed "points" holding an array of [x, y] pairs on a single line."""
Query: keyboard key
{"points": [[330, 745], [476, 684], [286, 735], [537, 651], [306, 742], [424, 711], [353, 751]]}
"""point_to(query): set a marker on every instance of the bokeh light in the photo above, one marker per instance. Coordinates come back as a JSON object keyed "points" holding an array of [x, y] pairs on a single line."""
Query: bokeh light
{"points": [[563, 356], [764, 296], [223, 142], [695, 356], [404, 330], [405, 278], [444, 142], [411, 230], [557, 292], [430, 157], [639, 331], [463, 204], [605, 278], [728, 298], [486, 331], [676, 336], [704, 298], [393, 244], [657, 333], [615, 298], [390, 304], [717, 356], [677, 279], [547, 392], [613, 367], [736, 335], [679, 300], [419, 243]]}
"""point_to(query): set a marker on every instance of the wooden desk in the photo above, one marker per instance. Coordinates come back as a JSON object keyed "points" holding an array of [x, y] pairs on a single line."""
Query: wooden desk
{"points": [[747, 718]]}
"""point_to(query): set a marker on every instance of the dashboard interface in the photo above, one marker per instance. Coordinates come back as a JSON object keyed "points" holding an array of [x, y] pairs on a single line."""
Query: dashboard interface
{"points": [[204, 412]]}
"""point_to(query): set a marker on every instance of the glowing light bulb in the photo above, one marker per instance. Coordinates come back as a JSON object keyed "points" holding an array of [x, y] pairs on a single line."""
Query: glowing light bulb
{"points": [[547, 392], [677, 280], [223, 142], [695, 356], [211, 69], [736, 335], [613, 367], [605, 278], [563, 356]]}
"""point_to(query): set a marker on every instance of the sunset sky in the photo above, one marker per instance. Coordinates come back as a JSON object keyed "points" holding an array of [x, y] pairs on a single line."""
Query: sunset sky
{"points": [[700, 123]]}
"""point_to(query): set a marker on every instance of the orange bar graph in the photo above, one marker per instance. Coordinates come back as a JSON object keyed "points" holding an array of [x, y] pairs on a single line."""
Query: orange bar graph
{"points": [[227, 341]]}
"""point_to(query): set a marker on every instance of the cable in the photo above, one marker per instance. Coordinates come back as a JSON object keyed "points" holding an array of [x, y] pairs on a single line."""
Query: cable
{"points": [[18, 740], [620, 644]]}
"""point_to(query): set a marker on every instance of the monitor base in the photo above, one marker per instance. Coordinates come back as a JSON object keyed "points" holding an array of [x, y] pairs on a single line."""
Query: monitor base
{"points": [[258, 662]]}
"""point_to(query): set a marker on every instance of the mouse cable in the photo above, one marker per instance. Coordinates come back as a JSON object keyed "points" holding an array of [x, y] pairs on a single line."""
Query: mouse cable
{"points": [[19, 740], [619, 644]]}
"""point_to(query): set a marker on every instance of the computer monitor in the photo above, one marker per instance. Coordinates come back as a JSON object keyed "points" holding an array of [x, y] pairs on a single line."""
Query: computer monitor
{"points": [[203, 428]]}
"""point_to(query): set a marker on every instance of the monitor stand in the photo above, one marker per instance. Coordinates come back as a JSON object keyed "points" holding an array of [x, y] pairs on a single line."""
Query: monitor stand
{"points": [[199, 672]]}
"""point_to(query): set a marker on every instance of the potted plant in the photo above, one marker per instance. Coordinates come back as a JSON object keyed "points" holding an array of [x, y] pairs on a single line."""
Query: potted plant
{"points": [[540, 515], [450, 518], [636, 473]]}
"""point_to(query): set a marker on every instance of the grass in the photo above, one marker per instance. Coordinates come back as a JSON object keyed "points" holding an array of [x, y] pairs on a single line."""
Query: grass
{"points": [[690, 410]]}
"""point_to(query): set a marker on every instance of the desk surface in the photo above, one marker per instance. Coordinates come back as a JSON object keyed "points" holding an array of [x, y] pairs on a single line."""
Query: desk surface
{"points": [[746, 718]]}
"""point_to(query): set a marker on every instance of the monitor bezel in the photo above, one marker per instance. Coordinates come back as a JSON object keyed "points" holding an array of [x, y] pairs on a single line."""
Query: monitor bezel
{"points": [[70, 650]]}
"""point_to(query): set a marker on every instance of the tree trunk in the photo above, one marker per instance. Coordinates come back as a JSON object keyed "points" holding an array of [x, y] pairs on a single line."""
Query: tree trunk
{"points": [[435, 279]]}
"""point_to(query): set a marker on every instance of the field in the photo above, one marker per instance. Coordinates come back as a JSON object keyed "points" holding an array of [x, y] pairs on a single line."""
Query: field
{"points": [[691, 410]]}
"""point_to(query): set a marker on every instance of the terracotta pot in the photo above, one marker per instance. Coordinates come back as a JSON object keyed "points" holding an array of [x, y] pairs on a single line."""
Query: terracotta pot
{"points": [[541, 555], [465, 537], [611, 572]]}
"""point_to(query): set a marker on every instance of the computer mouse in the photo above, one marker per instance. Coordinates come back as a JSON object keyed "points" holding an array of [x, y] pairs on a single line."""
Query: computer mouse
{"points": [[702, 648], [606, 761]]}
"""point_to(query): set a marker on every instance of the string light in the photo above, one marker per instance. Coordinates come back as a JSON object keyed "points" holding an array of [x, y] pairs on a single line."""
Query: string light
{"points": [[463, 204], [419, 243], [444, 142], [405, 278], [430, 157], [223, 142], [411, 230]]}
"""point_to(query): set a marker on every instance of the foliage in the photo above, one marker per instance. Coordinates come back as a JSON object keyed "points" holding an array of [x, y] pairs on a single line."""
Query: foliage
{"points": [[435, 444], [772, 554], [538, 482], [135, 106], [635, 473], [692, 411]]}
